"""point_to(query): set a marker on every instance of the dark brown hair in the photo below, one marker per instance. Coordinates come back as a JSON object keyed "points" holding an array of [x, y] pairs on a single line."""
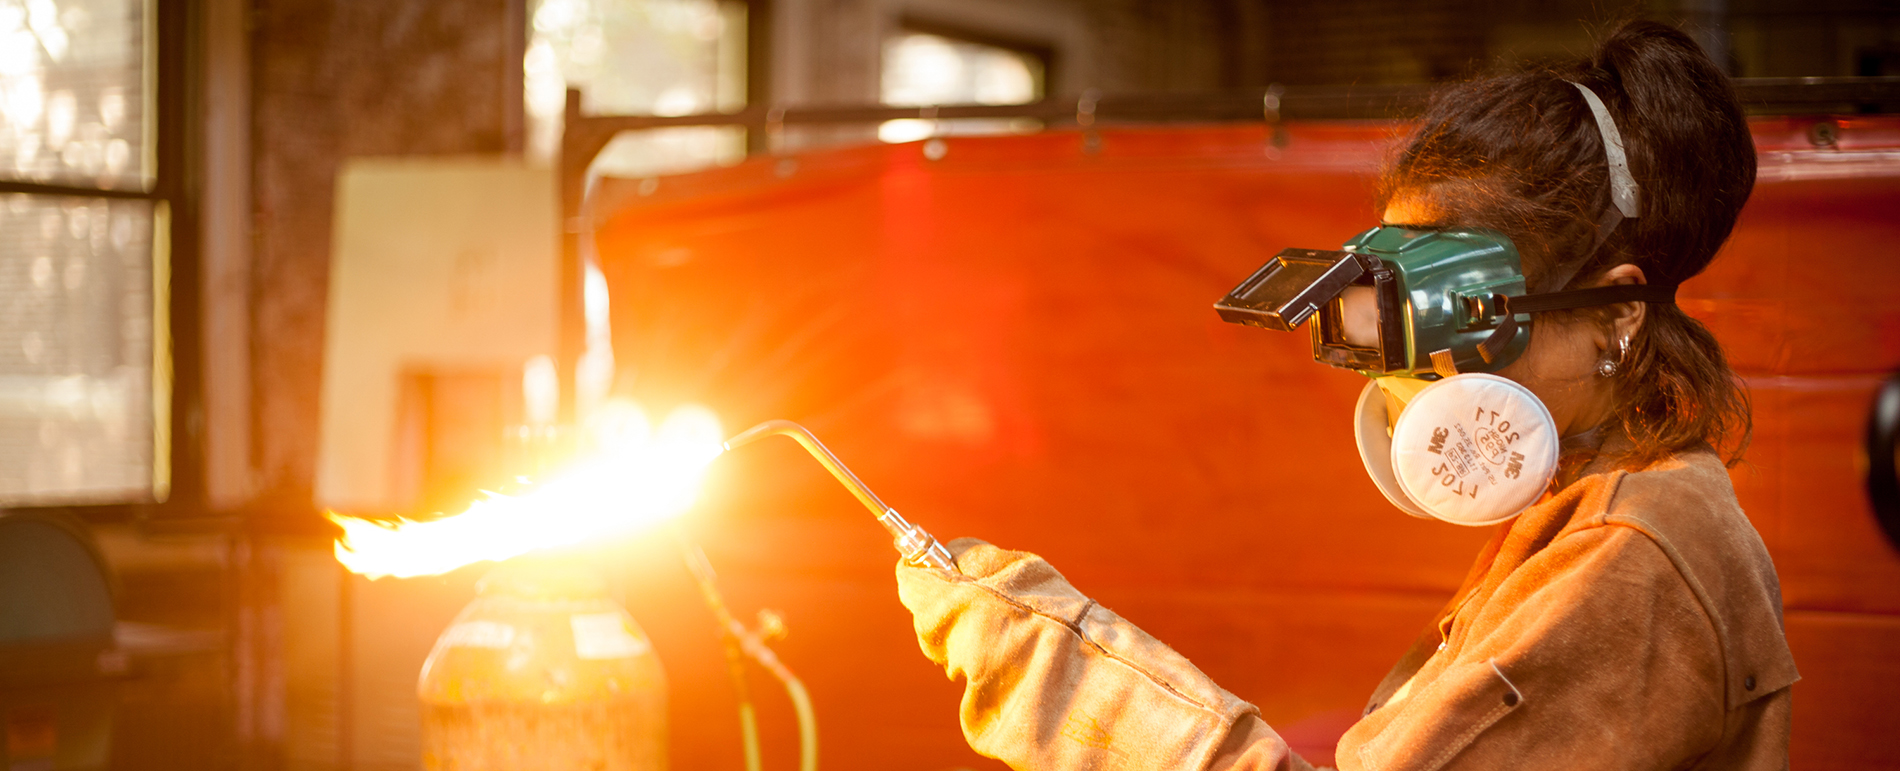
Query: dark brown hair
{"points": [[1521, 154]]}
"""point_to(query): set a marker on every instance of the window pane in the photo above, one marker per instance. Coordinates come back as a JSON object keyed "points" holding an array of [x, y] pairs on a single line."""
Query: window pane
{"points": [[922, 70], [76, 385], [72, 92], [639, 57]]}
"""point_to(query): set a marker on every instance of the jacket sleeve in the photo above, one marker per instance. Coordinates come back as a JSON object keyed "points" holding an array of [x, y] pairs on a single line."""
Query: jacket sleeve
{"points": [[1593, 654], [1053, 680]]}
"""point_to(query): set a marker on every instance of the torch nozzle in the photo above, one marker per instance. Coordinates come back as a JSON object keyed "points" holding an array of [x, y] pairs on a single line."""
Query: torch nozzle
{"points": [[918, 547]]}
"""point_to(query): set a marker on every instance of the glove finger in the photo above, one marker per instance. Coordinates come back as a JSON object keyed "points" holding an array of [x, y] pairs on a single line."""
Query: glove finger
{"points": [[979, 559], [935, 600], [917, 587]]}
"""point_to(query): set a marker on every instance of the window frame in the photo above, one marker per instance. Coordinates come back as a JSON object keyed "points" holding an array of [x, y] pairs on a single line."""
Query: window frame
{"points": [[172, 62]]}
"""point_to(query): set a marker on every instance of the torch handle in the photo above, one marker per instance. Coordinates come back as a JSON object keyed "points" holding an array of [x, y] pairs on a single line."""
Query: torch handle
{"points": [[918, 547]]}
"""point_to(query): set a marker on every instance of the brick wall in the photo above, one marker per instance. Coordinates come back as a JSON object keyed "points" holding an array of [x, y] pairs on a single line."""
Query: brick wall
{"points": [[335, 80]]}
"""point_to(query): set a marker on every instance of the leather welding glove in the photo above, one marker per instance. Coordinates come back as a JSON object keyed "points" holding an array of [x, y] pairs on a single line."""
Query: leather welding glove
{"points": [[1055, 681]]}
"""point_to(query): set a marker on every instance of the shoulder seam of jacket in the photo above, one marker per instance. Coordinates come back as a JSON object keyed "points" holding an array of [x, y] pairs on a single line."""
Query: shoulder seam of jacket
{"points": [[1641, 527], [1676, 561]]}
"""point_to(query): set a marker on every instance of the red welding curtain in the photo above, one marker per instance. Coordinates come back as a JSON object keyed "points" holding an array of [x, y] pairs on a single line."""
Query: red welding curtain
{"points": [[1015, 341]]}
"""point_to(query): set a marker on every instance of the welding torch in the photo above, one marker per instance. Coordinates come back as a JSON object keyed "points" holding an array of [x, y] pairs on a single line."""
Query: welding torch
{"points": [[919, 548]]}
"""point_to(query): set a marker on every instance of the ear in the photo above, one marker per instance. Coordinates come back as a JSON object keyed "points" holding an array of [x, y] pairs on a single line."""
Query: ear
{"points": [[1624, 320]]}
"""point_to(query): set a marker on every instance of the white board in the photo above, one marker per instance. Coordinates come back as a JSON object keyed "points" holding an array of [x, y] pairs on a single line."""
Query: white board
{"points": [[438, 262]]}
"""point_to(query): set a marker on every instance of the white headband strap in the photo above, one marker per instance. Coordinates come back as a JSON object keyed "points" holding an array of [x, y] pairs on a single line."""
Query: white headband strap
{"points": [[1623, 190]]}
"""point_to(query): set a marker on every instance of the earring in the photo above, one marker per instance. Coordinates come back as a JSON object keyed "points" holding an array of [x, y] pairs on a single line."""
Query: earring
{"points": [[1607, 367]]}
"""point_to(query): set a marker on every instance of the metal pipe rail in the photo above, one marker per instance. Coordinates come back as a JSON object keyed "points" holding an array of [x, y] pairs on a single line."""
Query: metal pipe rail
{"points": [[1293, 103]]}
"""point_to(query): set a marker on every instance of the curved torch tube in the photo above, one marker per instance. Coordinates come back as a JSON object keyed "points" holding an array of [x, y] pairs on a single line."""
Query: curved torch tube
{"points": [[918, 547]]}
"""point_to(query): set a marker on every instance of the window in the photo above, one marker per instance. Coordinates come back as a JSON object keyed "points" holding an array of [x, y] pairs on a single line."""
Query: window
{"points": [[639, 57], [84, 350], [922, 69]]}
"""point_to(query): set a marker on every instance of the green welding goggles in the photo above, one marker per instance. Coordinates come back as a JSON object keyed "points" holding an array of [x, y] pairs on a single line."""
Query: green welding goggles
{"points": [[1414, 303], [1429, 304]]}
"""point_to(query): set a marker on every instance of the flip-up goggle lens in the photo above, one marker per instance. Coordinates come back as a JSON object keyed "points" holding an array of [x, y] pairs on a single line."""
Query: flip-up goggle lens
{"points": [[1354, 295]]}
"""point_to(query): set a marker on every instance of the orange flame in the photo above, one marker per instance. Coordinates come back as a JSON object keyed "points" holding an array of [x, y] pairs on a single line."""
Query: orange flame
{"points": [[636, 481]]}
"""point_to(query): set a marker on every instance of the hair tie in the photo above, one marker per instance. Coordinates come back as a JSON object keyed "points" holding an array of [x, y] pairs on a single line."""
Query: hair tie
{"points": [[1623, 190]]}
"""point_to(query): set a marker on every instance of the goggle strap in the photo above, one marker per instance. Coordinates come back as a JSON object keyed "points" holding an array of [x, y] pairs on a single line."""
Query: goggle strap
{"points": [[1624, 193], [1606, 225], [1508, 307], [1493, 347], [1443, 364], [1585, 298]]}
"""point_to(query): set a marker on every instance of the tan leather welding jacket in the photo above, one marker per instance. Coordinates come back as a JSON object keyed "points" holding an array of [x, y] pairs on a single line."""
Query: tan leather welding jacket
{"points": [[1630, 621]]}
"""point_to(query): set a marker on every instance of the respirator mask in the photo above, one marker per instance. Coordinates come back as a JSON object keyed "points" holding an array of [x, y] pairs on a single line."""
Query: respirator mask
{"points": [[1428, 314]]}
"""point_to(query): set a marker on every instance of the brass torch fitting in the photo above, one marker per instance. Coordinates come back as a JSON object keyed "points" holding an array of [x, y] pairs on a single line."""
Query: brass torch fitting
{"points": [[918, 547]]}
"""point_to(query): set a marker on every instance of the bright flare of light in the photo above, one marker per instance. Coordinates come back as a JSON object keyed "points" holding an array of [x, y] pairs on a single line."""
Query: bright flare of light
{"points": [[633, 482], [905, 130]]}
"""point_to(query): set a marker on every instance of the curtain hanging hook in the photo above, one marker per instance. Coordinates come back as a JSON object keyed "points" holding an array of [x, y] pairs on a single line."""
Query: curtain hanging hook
{"points": [[1276, 126], [1085, 118], [934, 148], [775, 130]]}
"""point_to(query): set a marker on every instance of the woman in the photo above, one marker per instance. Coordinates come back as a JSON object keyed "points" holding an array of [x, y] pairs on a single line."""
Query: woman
{"points": [[1628, 618]]}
